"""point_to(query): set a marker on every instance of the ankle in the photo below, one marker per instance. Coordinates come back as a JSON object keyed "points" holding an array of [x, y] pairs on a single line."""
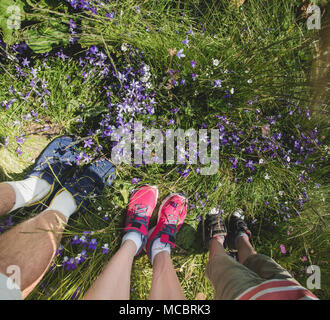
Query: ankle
{"points": [[242, 241], [159, 248], [245, 249], [131, 246], [133, 238], [28, 191], [216, 247], [64, 203], [220, 239]]}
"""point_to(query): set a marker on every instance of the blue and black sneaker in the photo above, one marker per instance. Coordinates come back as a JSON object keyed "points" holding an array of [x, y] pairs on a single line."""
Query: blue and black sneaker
{"points": [[53, 165], [89, 182]]}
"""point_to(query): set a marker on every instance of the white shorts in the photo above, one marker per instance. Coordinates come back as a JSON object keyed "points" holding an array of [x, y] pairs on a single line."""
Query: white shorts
{"points": [[8, 289]]}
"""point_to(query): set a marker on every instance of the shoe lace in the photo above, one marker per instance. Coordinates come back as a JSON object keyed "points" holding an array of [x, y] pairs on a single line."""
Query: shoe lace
{"points": [[139, 215], [169, 229]]}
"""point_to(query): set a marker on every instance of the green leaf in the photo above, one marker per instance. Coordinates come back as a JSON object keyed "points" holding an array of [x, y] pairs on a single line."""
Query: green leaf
{"points": [[125, 194], [43, 38]]}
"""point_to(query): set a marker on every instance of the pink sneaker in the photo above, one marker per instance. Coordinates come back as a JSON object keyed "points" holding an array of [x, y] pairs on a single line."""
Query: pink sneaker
{"points": [[141, 205], [171, 215]]}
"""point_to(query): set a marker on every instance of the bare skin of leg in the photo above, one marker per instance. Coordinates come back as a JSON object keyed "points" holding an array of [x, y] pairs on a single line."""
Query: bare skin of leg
{"points": [[114, 281], [7, 198], [165, 284], [244, 248], [31, 246]]}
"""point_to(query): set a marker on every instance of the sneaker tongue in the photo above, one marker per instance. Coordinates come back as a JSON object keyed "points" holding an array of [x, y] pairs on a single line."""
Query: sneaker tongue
{"points": [[166, 238]]}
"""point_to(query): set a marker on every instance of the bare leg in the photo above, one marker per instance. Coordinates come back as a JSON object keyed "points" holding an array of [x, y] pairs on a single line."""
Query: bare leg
{"points": [[165, 284], [31, 246], [114, 281], [7, 198], [216, 247], [244, 248]]}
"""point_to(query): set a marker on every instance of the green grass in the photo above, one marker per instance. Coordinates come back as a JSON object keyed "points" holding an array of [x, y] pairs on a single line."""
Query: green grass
{"points": [[277, 60]]}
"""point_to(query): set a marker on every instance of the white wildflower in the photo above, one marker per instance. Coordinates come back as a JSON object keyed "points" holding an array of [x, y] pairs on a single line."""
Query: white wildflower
{"points": [[215, 62]]}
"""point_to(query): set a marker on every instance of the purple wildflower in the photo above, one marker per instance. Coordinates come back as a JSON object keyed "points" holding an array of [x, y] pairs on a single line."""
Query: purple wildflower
{"points": [[75, 240], [217, 83], [92, 244], [25, 62], [234, 162], [20, 139], [186, 42], [105, 248], [93, 49], [5, 142], [250, 165], [71, 264], [180, 54], [135, 180], [110, 15], [190, 31], [88, 143], [19, 151], [72, 24], [59, 250]]}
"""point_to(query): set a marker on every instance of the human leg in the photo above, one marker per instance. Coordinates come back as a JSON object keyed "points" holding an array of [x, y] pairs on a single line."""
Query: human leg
{"points": [[114, 281], [165, 284], [229, 277], [31, 246], [266, 267], [244, 248], [7, 198]]}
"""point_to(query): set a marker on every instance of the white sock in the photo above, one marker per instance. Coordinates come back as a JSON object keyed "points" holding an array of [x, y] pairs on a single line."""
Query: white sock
{"points": [[135, 237], [29, 191], [158, 247], [64, 203]]}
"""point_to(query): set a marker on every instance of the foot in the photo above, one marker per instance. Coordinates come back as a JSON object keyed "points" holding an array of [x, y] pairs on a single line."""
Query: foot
{"points": [[54, 163], [215, 227], [141, 206], [89, 182], [236, 227], [171, 216]]}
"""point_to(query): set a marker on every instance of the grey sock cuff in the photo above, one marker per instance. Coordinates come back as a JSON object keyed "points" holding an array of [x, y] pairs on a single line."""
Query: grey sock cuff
{"points": [[240, 234]]}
